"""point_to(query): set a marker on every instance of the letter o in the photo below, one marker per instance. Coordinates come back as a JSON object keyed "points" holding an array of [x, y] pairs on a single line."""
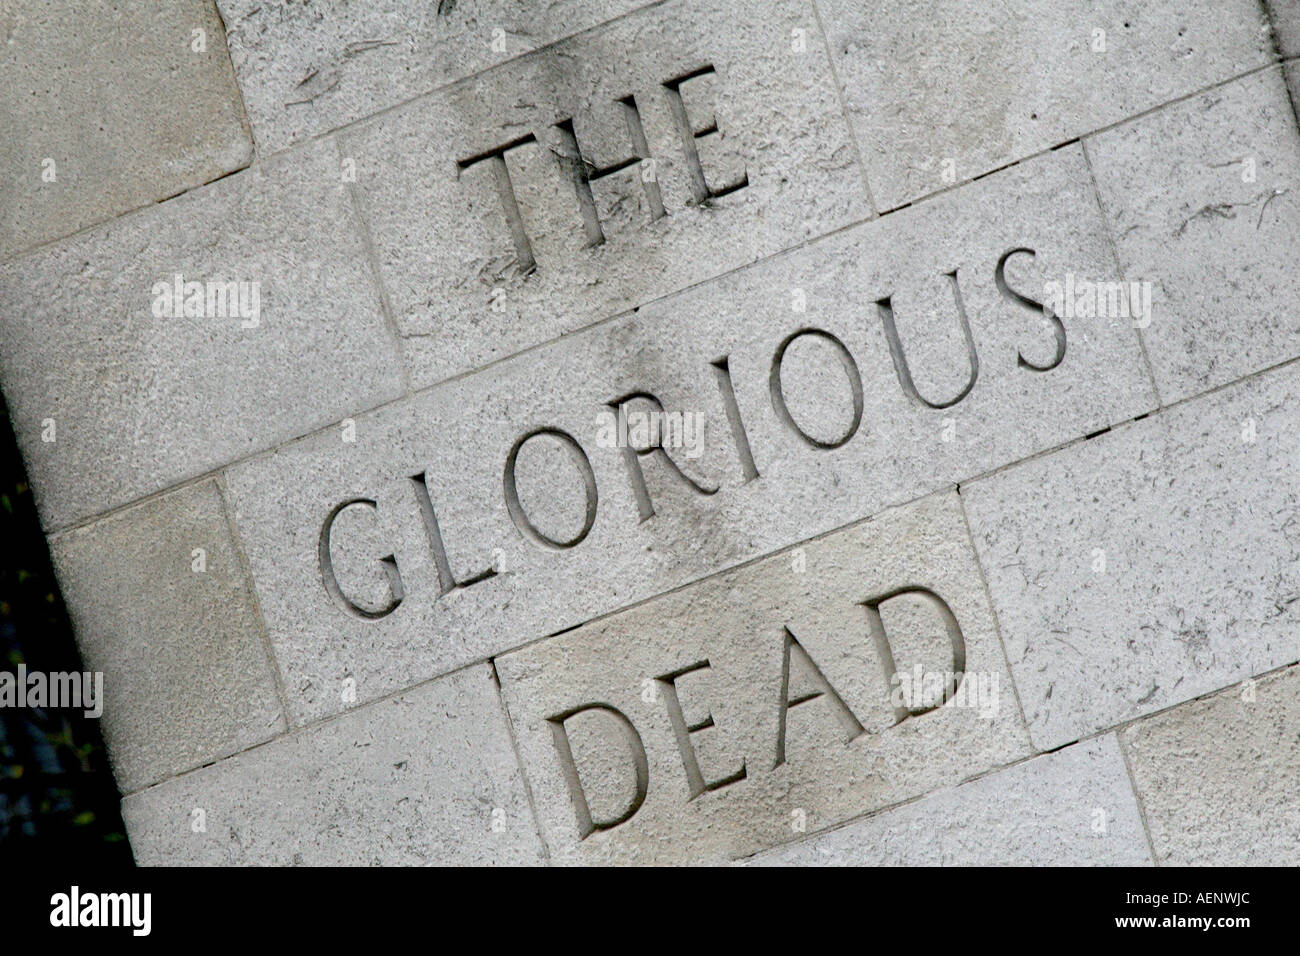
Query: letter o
{"points": [[516, 508], [778, 395]]}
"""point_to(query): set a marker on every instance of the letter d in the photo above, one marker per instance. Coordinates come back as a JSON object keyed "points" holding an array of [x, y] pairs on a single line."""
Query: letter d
{"points": [[636, 751]]}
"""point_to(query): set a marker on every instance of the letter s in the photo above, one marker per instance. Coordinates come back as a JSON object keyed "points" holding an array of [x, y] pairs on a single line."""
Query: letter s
{"points": [[1058, 329]]}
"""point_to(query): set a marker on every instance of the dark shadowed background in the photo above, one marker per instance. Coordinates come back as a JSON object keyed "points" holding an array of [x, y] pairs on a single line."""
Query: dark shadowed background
{"points": [[58, 801]]}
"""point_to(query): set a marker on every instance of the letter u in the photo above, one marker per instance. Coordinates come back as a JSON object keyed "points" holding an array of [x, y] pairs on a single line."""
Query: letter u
{"points": [[900, 358]]}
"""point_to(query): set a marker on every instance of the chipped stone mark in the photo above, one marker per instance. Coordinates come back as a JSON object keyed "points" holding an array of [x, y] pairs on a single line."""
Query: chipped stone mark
{"points": [[319, 82], [1225, 210], [1062, 640], [327, 81], [1222, 209], [1196, 637], [1273, 195], [358, 47]]}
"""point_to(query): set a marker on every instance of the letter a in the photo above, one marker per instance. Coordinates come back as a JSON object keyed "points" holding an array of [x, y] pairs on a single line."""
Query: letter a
{"points": [[793, 651]]}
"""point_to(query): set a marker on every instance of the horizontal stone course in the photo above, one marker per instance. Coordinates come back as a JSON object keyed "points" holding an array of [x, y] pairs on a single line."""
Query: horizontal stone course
{"points": [[1203, 199], [118, 387], [602, 172], [162, 608], [939, 93], [1151, 564], [1074, 807], [435, 559], [734, 714], [107, 106], [306, 69], [1217, 776], [425, 778]]}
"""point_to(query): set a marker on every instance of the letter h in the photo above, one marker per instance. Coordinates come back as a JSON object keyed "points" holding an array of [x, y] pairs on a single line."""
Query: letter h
{"points": [[583, 173]]}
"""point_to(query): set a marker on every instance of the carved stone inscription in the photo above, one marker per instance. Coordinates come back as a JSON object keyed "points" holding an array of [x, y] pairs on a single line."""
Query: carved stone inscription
{"points": [[811, 691], [583, 173], [861, 372], [822, 352], [587, 178]]}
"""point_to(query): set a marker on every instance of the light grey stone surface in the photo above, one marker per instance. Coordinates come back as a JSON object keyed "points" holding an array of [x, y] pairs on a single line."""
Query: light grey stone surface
{"points": [[161, 607], [983, 84], [1217, 776], [114, 101], [1151, 564], [1074, 807], [306, 69], [1291, 71], [460, 436], [463, 287], [425, 778], [136, 402], [822, 759], [301, 548], [1203, 199], [1285, 15]]}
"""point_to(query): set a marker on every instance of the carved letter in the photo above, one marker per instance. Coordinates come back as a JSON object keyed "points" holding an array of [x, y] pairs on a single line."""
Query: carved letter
{"points": [[640, 766], [1058, 329], [778, 393], [516, 508], [812, 674], [886, 652], [583, 173], [900, 359], [700, 188], [396, 591], [632, 456], [722, 371], [509, 205], [682, 730], [446, 580]]}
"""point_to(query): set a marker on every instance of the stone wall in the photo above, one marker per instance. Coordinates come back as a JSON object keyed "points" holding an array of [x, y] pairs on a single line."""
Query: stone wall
{"points": [[697, 431]]}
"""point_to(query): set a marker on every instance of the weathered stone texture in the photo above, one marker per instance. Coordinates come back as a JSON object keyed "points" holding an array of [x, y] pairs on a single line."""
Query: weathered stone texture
{"points": [[112, 400], [1149, 565], [305, 69], [1203, 199], [425, 778], [1217, 776], [162, 608], [1074, 807], [109, 105], [939, 93]]}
